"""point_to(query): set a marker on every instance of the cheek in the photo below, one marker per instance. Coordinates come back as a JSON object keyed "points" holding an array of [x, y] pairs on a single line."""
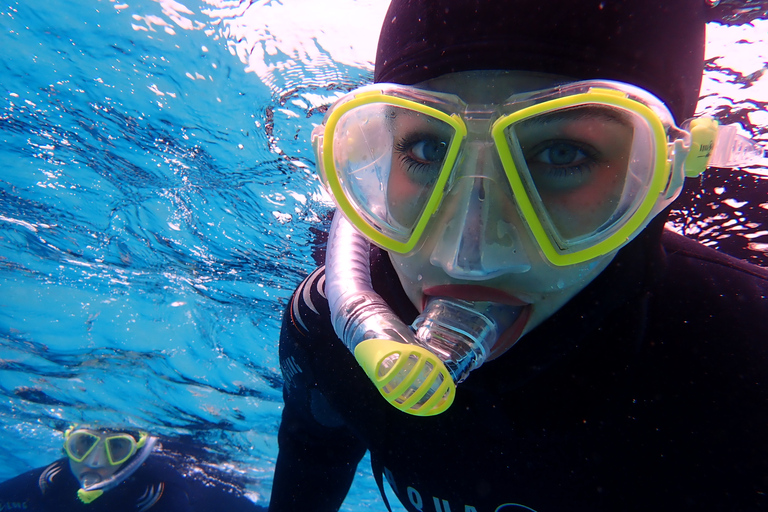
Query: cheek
{"points": [[601, 193], [400, 193], [561, 285], [411, 271], [76, 467], [581, 212], [405, 197], [604, 190]]}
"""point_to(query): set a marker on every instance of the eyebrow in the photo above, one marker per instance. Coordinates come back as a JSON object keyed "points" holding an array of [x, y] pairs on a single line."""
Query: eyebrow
{"points": [[395, 112], [579, 113]]}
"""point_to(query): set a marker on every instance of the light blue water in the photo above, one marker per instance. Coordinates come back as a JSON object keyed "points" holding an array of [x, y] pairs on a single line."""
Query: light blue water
{"points": [[157, 201]]}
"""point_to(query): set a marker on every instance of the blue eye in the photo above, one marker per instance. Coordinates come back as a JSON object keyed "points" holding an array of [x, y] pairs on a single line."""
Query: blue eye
{"points": [[421, 150], [562, 154], [561, 164], [421, 156], [429, 151]]}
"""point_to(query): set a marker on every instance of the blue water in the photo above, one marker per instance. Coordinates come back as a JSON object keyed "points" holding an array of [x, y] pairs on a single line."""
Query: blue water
{"points": [[158, 206]]}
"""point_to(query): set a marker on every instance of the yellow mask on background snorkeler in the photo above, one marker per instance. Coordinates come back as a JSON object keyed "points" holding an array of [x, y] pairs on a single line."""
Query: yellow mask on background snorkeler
{"points": [[119, 447], [586, 165]]}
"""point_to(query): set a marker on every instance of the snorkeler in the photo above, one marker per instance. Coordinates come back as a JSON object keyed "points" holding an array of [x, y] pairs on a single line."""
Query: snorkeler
{"points": [[502, 191], [119, 470]]}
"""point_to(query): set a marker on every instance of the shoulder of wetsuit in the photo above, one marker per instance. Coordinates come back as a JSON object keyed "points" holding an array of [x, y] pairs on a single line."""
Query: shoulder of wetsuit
{"points": [[308, 309], [683, 252], [706, 364], [208, 486], [308, 312], [160, 465], [31, 490], [155, 485], [309, 346], [711, 306], [309, 349], [318, 369], [175, 478]]}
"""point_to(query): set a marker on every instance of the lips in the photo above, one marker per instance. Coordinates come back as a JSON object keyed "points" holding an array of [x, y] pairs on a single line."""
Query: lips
{"points": [[474, 293], [89, 478]]}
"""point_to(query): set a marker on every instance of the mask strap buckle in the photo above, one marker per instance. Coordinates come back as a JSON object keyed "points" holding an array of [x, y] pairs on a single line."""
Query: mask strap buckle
{"points": [[718, 146]]}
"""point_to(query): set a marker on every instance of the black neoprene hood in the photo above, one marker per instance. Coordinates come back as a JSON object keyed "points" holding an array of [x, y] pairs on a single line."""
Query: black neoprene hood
{"points": [[656, 45]]}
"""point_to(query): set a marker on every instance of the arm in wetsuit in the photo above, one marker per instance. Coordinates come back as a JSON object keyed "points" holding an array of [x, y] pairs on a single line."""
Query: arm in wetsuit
{"points": [[25, 491], [318, 454]]}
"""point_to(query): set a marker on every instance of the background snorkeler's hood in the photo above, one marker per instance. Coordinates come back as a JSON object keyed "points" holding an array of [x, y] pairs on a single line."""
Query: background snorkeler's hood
{"points": [[656, 45]]}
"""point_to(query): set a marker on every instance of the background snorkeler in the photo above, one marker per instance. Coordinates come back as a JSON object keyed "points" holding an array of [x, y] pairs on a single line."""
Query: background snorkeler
{"points": [[124, 470]]}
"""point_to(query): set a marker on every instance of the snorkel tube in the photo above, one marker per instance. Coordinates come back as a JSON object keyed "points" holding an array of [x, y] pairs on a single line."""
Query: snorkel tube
{"points": [[89, 493], [415, 369]]}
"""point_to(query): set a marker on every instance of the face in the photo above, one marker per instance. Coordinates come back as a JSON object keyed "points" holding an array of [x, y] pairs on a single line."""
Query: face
{"points": [[95, 467], [478, 225]]}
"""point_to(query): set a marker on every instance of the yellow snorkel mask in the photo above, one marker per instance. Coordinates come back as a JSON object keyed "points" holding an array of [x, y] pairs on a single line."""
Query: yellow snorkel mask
{"points": [[389, 154]]}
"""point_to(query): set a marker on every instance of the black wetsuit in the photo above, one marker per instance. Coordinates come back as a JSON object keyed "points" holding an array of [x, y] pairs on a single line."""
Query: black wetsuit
{"points": [[157, 486], [647, 391]]}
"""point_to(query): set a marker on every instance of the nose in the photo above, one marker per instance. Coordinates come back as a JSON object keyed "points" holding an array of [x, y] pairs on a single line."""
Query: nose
{"points": [[479, 239], [97, 458]]}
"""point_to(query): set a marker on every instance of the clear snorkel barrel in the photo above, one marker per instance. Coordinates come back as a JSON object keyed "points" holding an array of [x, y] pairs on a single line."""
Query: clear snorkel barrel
{"points": [[416, 372], [462, 333]]}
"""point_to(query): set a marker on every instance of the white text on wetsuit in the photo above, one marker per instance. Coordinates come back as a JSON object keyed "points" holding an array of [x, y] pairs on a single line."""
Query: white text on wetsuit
{"points": [[416, 499]]}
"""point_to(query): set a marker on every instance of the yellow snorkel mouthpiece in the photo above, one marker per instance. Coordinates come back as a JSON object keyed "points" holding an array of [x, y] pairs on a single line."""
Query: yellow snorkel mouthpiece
{"points": [[410, 377], [88, 496]]}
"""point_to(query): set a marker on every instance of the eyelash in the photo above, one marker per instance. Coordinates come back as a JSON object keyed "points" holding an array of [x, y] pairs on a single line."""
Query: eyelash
{"points": [[404, 147]]}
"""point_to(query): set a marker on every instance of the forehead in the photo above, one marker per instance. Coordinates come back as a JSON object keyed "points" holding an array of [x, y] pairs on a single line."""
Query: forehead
{"points": [[483, 87], [102, 433]]}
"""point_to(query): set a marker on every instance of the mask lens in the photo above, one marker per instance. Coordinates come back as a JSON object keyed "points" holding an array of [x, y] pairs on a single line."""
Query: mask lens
{"points": [[388, 159], [79, 444], [120, 449], [584, 168]]}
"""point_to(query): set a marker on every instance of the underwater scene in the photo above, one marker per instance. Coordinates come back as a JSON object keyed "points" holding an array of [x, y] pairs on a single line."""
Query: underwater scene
{"points": [[159, 204]]}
